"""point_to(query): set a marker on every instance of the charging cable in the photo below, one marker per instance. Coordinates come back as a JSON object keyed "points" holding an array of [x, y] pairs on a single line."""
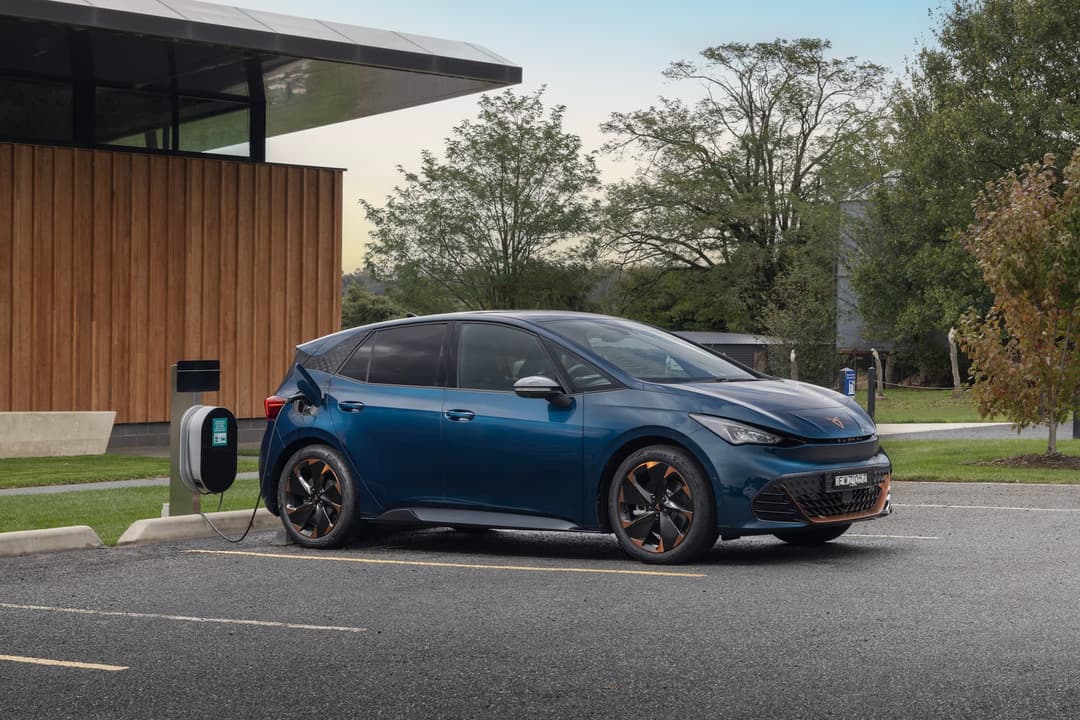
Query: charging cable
{"points": [[258, 497]]}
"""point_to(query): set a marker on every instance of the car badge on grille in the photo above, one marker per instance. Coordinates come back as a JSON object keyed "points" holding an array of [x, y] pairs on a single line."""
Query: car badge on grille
{"points": [[836, 421]]}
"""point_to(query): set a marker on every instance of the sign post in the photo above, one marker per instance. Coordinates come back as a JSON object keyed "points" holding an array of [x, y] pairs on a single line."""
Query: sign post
{"points": [[847, 382]]}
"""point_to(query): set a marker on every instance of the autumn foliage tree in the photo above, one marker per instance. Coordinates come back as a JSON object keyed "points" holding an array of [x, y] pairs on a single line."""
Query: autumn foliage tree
{"points": [[1026, 243]]}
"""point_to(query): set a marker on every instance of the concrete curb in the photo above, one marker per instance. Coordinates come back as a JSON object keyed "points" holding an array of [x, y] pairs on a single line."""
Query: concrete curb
{"points": [[188, 527], [885, 429], [25, 542]]}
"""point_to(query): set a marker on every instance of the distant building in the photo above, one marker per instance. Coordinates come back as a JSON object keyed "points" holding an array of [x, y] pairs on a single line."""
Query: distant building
{"points": [[852, 336], [750, 350]]}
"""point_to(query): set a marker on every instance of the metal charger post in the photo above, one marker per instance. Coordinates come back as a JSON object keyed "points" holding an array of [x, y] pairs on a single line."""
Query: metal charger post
{"points": [[189, 379]]}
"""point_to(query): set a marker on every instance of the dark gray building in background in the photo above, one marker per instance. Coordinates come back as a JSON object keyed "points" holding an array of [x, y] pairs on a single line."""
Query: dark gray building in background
{"points": [[851, 332], [750, 350]]}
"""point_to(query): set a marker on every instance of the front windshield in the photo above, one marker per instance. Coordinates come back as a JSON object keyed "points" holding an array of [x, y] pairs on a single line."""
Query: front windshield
{"points": [[647, 353]]}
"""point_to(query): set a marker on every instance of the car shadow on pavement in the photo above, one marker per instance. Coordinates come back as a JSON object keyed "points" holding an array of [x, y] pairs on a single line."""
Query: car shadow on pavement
{"points": [[767, 551], [499, 545]]}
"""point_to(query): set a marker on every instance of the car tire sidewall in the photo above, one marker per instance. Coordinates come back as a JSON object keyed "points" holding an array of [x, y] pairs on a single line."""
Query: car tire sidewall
{"points": [[345, 527], [703, 531]]}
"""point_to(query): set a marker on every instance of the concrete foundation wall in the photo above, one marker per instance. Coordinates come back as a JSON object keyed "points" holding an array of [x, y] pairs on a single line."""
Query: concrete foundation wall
{"points": [[50, 434], [128, 436]]}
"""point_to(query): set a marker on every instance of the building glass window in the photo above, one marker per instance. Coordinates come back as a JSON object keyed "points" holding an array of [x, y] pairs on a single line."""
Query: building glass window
{"points": [[133, 118], [37, 49], [216, 126], [208, 69], [35, 110], [97, 88], [132, 61]]}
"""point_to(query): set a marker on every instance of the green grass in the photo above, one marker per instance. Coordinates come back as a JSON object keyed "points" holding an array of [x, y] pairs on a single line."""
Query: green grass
{"points": [[964, 460], [904, 405], [32, 472], [109, 512]]}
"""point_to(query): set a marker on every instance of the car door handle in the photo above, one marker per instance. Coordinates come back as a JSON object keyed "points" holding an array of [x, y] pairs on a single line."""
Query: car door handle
{"points": [[351, 405], [459, 415]]}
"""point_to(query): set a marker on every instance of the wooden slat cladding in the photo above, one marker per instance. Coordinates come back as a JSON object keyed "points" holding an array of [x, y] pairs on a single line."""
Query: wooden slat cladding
{"points": [[115, 265]]}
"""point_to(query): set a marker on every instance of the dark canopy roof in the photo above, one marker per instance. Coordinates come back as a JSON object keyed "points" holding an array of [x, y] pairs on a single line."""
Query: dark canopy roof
{"points": [[314, 72]]}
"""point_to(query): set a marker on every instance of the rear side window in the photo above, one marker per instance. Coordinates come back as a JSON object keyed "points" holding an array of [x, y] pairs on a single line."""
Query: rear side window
{"points": [[409, 355], [330, 359], [356, 367]]}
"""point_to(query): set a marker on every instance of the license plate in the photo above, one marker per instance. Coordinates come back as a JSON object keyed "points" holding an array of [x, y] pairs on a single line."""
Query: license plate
{"points": [[849, 482]]}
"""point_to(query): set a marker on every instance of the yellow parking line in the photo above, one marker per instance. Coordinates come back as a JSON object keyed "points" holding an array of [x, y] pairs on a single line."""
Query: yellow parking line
{"points": [[63, 663], [465, 566]]}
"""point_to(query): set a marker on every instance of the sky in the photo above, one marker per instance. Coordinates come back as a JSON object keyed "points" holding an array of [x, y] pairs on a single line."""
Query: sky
{"points": [[594, 57]]}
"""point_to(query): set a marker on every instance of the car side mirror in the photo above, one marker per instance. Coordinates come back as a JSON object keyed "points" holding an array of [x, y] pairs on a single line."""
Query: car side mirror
{"points": [[538, 386]]}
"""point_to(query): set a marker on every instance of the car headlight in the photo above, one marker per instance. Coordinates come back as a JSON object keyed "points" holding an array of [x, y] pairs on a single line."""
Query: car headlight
{"points": [[737, 433]]}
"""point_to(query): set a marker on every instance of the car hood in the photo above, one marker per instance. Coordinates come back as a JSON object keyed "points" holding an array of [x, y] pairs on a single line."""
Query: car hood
{"points": [[795, 408]]}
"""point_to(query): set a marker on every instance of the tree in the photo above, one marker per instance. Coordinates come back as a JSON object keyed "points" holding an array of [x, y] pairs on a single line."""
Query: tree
{"points": [[1026, 243], [363, 279], [508, 202], [360, 307], [684, 298], [802, 312], [1000, 86], [728, 181]]}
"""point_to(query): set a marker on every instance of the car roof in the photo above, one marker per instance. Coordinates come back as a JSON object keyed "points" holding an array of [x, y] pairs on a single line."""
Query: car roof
{"points": [[313, 347]]}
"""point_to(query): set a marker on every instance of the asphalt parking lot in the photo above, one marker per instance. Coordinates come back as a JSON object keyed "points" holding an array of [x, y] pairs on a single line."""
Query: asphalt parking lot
{"points": [[964, 604]]}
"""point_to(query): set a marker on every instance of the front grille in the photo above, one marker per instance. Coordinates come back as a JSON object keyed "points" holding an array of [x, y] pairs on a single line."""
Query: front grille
{"points": [[801, 497], [772, 503], [844, 441]]}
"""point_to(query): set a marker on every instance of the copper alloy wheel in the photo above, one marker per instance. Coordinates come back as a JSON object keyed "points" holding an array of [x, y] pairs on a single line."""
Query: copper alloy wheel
{"points": [[656, 507], [313, 498]]}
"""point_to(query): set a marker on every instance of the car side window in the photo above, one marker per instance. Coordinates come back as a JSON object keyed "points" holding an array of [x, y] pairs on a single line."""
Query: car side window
{"points": [[494, 357], [356, 367], [582, 373], [406, 355], [330, 359]]}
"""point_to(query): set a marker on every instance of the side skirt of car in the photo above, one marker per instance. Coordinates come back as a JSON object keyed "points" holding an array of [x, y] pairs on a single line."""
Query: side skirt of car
{"points": [[422, 515]]}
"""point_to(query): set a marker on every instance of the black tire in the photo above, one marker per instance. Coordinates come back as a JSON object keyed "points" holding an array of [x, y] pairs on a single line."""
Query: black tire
{"points": [[661, 506], [808, 537], [317, 498]]}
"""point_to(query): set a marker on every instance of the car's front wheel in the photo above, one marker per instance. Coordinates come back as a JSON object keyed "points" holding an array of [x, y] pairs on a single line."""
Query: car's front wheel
{"points": [[661, 506], [316, 497], [813, 535]]}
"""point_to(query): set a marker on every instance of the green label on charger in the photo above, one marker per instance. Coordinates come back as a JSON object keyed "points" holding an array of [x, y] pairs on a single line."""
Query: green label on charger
{"points": [[219, 432]]}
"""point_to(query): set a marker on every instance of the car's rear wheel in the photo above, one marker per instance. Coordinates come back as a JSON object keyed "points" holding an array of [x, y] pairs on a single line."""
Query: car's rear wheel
{"points": [[661, 506], [813, 535], [316, 497]]}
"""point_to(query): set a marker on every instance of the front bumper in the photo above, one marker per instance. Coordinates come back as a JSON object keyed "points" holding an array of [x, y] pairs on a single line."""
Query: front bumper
{"points": [[804, 497]]}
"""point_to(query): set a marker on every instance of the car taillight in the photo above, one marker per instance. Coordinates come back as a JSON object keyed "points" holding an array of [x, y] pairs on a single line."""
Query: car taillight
{"points": [[272, 405]]}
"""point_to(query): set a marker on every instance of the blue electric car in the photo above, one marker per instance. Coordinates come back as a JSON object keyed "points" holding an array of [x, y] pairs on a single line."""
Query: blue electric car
{"points": [[560, 421]]}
